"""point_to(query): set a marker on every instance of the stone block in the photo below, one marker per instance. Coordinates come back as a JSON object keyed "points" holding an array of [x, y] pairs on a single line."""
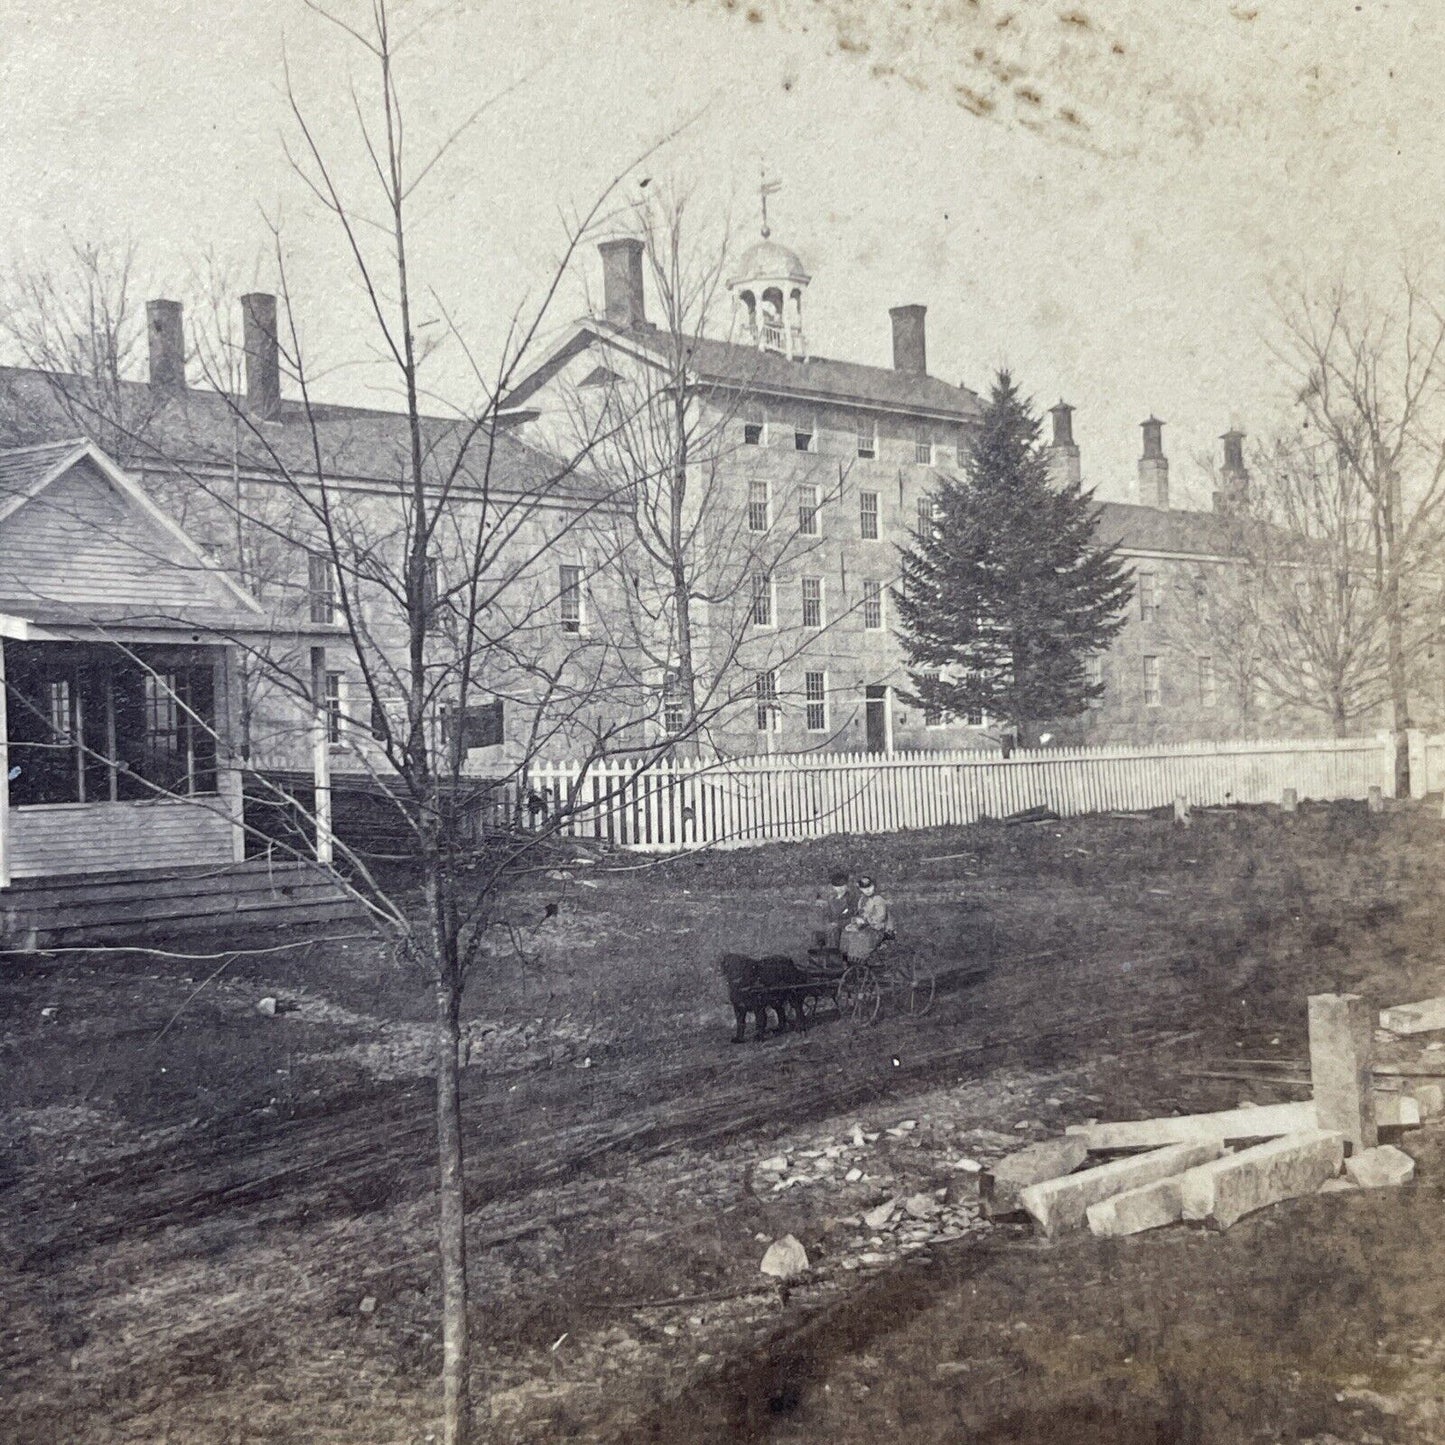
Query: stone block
{"points": [[1228, 1188], [1046, 1160], [1269, 1121], [1151, 1206], [1058, 1205], [1414, 1018], [1380, 1168], [1341, 1048], [1430, 1098], [785, 1258]]}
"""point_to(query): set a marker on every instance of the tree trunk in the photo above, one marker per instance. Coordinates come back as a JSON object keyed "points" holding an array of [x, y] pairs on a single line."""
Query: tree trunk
{"points": [[451, 1214], [1395, 644]]}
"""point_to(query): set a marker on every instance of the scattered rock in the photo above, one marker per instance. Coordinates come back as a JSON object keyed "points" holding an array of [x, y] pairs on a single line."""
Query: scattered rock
{"points": [[785, 1258], [778, 1164], [368, 1305], [1380, 1168], [858, 1140], [1431, 1099], [876, 1218], [267, 1006], [853, 1176], [872, 1259], [922, 1206], [52, 1011]]}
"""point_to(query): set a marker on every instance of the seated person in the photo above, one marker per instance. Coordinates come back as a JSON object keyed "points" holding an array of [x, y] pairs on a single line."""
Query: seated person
{"points": [[870, 925], [836, 909]]}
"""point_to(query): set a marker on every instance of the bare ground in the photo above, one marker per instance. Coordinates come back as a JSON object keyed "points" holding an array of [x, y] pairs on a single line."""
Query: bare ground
{"points": [[215, 1225]]}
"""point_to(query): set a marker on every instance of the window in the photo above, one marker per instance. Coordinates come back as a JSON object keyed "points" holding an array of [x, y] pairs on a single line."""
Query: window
{"points": [[755, 432], [674, 704], [1148, 595], [812, 601], [808, 510], [94, 724], [1208, 685], [321, 587], [933, 714], [762, 600], [766, 691], [868, 516], [480, 726], [928, 515], [805, 436], [335, 708], [923, 450], [867, 437], [872, 605], [569, 596], [430, 594], [1152, 693], [758, 506], [815, 698], [1094, 676]]}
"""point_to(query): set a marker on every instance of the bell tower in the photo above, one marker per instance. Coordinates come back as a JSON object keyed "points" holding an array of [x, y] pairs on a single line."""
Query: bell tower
{"points": [[767, 291]]}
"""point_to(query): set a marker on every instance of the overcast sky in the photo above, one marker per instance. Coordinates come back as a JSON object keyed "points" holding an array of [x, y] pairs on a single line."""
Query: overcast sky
{"points": [[1100, 196]]}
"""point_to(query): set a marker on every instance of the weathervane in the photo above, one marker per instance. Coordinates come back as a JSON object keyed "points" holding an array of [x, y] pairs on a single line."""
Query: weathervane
{"points": [[767, 188]]}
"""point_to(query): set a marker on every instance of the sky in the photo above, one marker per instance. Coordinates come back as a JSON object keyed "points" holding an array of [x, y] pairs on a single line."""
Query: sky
{"points": [[1108, 198]]}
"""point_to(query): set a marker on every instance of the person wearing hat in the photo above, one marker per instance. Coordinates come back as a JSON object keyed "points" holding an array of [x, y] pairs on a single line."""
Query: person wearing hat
{"points": [[835, 910], [870, 925]]}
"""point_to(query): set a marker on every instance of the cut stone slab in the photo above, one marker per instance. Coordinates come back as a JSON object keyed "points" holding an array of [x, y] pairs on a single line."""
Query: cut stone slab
{"points": [[1414, 1018], [1380, 1168], [1269, 1121], [1430, 1098], [1228, 1188], [1397, 1111], [1341, 1056], [1046, 1160], [785, 1258], [1151, 1206], [1057, 1205], [1340, 1185], [877, 1217]]}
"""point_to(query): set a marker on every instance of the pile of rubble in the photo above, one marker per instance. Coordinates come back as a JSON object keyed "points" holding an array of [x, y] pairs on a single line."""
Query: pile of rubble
{"points": [[1124, 1178], [1217, 1168]]}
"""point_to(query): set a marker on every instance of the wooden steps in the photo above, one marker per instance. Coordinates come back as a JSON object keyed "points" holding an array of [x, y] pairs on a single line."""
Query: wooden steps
{"points": [[148, 905]]}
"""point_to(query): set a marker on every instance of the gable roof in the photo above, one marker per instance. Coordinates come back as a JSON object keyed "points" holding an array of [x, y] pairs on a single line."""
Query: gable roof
{"points": [[193, 427], [769, 373], [1154, 529]]}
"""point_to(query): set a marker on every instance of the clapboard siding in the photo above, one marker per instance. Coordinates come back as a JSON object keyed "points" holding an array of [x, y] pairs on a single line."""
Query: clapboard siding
{"points": [[107, 837], [80, 542]]}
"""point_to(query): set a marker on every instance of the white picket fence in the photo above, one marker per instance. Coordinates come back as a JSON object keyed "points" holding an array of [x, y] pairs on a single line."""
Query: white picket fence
{"points": [[737, 802]]}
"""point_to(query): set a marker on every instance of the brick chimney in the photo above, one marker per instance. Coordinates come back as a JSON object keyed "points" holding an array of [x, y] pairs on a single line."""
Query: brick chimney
{"points": [[165, 329], [1233, 491], [1154, 467], [910, 353], [263, 356], [1065, 468], [622, 282]]}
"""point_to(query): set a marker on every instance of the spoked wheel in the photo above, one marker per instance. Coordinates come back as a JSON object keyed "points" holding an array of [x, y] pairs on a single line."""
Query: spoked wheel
{"points": [[859, 995], [918, 988]]}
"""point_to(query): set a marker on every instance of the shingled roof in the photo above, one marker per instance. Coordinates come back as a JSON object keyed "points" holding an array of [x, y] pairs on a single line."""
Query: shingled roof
{"points": [[203, 429], [770, 374], [1153, 529]]}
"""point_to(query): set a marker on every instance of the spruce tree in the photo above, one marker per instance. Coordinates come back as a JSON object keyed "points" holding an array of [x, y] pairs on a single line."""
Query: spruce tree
{"points": [[1009, 594]]}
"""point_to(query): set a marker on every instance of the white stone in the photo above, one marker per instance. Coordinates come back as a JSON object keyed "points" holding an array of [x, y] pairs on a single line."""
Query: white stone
{"points": [[853, 1176], [1380, 1168], [1268, 1121], [267, 1006], [1397, 1111], [1151, 1206], [1340, 1066], [1414, 1018], [877, 1217], [1058, 1205], [778, 1164], [1339, 1185], [785, 1258], [1430, 1098], [1038, 1162], [922, 1206], [1230, 1187], [368, 1305]]}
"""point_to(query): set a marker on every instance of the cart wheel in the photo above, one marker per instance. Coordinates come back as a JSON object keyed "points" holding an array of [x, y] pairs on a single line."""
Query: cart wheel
{"points": [[920, 985], [859, 995]]}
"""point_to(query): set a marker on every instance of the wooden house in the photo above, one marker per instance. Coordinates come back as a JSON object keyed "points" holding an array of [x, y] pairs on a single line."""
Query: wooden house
{"points": [[120, 795]]}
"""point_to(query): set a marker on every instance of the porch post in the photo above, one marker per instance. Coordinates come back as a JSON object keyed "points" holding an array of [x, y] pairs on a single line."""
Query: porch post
{"points": [[230, 780], [321, 754], [4, 779]]}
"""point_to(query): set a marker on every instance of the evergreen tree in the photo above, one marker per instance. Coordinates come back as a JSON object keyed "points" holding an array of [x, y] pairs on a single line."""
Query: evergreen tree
{"points": [[1009, 594]]}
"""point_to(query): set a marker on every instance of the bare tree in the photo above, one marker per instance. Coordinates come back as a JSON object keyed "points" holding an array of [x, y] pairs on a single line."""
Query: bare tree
{"points": [[1369, 373]]}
